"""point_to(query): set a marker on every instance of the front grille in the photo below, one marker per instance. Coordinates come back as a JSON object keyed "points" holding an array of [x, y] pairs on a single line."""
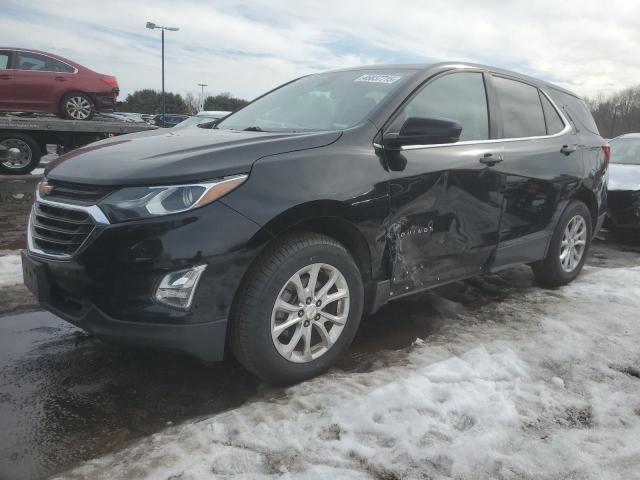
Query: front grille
{"points": [[77, 193], [57, 230]]}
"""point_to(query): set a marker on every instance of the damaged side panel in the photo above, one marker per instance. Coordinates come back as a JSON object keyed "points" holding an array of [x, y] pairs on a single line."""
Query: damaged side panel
{"points": [[444, 224]]}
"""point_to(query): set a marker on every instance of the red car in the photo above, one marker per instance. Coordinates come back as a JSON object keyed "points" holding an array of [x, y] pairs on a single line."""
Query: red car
{"points": [[34, 81]]}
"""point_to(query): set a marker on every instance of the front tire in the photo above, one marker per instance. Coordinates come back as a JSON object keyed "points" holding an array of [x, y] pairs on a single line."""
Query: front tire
{"points": [[568, 249], [297, 310], [77, 106]]}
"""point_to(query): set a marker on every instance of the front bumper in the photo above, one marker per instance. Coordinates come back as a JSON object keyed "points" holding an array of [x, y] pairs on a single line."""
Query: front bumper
{"points": [[202, 340], [107, 286], [624, 210]]}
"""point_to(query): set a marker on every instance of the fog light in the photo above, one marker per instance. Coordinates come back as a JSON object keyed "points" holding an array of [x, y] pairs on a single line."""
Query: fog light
{"points": [[177, 288]]}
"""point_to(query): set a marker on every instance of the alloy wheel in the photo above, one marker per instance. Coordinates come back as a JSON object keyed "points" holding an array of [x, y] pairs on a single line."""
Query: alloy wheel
{"points": [[78, 107], [574, 241], [310, 313], [20, 160]]}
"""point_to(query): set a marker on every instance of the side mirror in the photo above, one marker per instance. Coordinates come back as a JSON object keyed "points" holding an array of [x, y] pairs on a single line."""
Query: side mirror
{"points": [[424, 131]]}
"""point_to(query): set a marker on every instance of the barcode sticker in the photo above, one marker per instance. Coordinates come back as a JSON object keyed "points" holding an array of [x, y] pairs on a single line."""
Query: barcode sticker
{"points": [[369, 78]]}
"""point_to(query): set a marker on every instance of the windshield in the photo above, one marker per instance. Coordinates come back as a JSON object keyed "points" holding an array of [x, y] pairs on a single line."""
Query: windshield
{"points": [[326, 101], [625, 150]]}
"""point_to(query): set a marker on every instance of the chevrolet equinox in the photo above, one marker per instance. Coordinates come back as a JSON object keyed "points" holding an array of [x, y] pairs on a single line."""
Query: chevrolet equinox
{"points": [[275, 230]]}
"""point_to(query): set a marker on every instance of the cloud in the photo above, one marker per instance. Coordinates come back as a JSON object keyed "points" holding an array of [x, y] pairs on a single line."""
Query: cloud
{"points": [[248, 47]]}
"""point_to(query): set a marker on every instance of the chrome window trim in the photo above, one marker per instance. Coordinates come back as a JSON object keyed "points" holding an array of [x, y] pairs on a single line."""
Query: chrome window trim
{"points": [[75, 70], [93, 210]]}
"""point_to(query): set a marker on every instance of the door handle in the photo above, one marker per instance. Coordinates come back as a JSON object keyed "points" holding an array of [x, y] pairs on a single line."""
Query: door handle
{"points": [[568, 149], [489, 159], [5, 77], [61, 79]]}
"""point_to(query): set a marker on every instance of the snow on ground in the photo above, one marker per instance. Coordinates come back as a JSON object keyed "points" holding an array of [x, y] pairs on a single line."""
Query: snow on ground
{"points": [[542, 385], [10, 268]]}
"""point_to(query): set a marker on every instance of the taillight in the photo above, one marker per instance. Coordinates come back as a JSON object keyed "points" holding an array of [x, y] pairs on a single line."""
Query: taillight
{"points": [[606, 148], [112, 82]]}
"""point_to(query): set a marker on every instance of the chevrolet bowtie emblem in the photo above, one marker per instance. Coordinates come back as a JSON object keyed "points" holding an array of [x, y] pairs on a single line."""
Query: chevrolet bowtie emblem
{"points": [[44, 188]]}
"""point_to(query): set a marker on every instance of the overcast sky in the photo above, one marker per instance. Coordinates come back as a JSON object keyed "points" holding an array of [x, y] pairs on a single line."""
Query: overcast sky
{"points": [[248, 47]]}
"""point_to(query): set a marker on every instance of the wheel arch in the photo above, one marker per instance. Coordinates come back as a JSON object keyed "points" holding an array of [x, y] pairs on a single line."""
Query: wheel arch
{"points": [[587, 197], [328, 218]]}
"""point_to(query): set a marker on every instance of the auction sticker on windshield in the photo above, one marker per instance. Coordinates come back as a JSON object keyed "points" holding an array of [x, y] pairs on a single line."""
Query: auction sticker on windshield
{"points": [[378, 78]]}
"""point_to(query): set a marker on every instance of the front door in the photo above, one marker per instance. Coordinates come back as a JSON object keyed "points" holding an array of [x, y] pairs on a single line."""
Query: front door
{"points": [[446, 200]]}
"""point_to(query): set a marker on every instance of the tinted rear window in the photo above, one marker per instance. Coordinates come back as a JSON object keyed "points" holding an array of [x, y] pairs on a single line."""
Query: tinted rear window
{"points": [[521, 109], [577, 109], [62, 67]]}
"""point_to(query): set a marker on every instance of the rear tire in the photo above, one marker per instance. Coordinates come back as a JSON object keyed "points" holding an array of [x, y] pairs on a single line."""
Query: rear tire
{"points": [[77, 106], [568, 249], [30, 153], [257, 316]]}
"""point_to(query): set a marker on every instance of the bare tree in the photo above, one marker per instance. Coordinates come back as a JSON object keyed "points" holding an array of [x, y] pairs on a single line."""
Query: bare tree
{"points": [[193, 104], [617, 113]]}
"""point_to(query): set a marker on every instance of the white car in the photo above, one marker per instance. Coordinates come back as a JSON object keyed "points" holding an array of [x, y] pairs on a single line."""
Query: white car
{"points": [[206, 116]]}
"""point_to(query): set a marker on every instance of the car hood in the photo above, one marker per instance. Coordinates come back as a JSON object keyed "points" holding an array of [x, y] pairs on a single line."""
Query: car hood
{"points": [[187, 155], [623, 177]]}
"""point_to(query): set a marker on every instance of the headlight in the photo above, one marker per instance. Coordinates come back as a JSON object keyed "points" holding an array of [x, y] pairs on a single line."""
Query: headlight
{"points": [[132, 203]]}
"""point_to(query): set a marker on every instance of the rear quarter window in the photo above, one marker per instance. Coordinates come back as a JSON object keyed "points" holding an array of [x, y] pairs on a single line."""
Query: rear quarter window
{"points": [[577, 109], [62, 67], [551, 116]]}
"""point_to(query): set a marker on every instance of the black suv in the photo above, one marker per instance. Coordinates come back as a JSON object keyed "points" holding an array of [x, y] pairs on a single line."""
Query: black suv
{"points": [[276, 230]]}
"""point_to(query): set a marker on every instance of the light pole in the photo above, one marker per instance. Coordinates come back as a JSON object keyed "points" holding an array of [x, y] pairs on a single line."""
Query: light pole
{"points": [[613, 120], [151, 26], [202, 95]]}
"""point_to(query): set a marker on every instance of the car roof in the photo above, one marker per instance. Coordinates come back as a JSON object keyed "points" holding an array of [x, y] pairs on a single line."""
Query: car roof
{"points": [[212, 112], [628, 135], [443, 66], [48, 54]]}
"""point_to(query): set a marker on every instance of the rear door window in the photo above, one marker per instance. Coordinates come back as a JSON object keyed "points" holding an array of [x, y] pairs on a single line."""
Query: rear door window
{"points": [[5, 60], [457, 96], [33, 62], [520, 107], [551, 116]]}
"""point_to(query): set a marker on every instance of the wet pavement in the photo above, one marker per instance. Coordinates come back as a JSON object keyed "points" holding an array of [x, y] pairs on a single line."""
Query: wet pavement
{"points": [[66, 397]]}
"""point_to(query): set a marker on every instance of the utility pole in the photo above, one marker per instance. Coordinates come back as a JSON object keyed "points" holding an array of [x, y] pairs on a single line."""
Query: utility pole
{"points": [[202, 85], [613, 120]]}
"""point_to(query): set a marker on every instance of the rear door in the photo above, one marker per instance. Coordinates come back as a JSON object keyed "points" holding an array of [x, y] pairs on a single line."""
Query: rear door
{"points": [[445, 203], [541, 166], [39, 82], [7, 88]]}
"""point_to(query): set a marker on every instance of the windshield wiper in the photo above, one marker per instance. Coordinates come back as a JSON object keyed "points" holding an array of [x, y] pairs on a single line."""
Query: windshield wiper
{"points": [[253, 129]]}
